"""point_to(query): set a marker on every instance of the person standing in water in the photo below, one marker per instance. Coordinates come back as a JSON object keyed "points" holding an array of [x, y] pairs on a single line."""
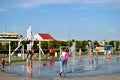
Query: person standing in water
{"points": [[63, 61], [3, 63], [29, 60], [96, 58], [105, 55], [80, 53], [52, 52], [90, 56]]}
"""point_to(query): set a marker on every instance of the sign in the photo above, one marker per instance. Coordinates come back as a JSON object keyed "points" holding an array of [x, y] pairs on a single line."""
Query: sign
{"points": [[107, 47]]}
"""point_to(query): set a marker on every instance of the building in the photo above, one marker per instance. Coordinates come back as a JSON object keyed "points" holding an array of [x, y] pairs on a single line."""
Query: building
{"points": [[43, 37], [10, 36]]}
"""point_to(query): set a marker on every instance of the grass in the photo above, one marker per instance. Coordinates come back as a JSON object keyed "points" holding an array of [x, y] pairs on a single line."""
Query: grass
{"points": [[21, 60], [37, 59]]}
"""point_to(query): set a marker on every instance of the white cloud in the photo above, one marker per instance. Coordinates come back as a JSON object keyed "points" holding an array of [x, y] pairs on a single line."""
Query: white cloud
{"points": [[34, 3]]}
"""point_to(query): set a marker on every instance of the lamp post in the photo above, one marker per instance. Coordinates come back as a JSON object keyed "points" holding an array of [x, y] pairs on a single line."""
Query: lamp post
{"points": [[69, 39]]}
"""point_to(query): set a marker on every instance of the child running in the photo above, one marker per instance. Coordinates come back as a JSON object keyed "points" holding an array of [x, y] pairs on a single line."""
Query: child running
{"points": [[63, 61]]}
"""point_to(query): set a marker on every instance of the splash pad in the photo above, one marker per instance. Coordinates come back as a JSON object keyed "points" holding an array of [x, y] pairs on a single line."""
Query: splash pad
{"points": [[78, 68]]}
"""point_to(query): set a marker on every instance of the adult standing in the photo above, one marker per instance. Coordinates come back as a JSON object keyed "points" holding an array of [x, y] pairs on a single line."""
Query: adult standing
{"points": [[45, 53], [52, 52]]}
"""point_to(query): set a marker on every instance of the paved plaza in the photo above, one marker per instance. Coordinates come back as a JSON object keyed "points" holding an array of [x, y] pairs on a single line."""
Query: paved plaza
{"points": [[79, 69]]}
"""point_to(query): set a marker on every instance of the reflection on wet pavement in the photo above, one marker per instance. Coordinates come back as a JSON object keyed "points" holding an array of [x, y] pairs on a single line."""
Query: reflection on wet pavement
{"points": [[80, 68]]}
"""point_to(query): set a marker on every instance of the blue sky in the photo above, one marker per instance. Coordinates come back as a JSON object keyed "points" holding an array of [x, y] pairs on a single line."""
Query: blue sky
{"points": [[63, 19]]}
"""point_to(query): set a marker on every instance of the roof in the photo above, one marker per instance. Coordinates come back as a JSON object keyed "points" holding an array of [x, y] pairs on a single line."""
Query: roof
{"points": [[8, 33], [46, 36]]}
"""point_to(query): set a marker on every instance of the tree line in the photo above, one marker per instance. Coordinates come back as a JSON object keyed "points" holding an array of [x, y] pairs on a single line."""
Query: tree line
{"points": [[4, 47]]}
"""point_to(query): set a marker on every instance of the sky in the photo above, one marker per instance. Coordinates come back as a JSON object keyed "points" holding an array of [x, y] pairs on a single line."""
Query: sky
{"points": [[63, 19]]}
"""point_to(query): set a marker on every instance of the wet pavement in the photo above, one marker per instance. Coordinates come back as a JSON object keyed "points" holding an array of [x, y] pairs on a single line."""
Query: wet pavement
{"points": [[77, 68]]}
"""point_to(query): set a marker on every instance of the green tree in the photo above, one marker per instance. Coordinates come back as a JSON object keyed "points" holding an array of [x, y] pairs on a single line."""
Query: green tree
{"points": [[96, 43], [78, 45], [84, 44], [111, 43]]}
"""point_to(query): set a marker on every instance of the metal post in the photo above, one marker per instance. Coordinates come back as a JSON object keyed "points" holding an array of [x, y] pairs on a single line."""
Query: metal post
{"points": [[9, 52], [114, 47], [23, 52], [39, 50]]}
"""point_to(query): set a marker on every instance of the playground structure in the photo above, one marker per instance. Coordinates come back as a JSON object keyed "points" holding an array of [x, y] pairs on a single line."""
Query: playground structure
{"points": [[8, 42], [30, 37], [19, 46]]}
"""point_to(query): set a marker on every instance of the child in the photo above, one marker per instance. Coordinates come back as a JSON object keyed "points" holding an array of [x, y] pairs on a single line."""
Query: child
{"points": [[29, 60], [2, 63], [63, 61]]}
